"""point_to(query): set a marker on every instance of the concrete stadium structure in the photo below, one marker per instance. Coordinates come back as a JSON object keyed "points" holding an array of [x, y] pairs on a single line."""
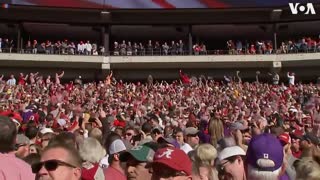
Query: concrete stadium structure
{"points": [[305, 65]]}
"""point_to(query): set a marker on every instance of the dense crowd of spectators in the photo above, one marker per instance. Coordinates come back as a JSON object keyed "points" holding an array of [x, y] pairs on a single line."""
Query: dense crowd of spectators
{"points": [[49, 47], [233, 47], [129, 49], [306, 44], [6, 45], [257, 47], [192, 128], [63, 47], [303, 45]]}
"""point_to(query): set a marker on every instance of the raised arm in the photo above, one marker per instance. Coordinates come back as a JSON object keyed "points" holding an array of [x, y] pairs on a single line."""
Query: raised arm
{"points": [[239, 78], [61, 75], [26, 77], [110, 75]]}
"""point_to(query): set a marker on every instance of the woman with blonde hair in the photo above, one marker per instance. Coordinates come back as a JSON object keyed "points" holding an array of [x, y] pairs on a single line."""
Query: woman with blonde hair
{"points": [[91, 152], [308, 167], [203, 165], [216, 130]]}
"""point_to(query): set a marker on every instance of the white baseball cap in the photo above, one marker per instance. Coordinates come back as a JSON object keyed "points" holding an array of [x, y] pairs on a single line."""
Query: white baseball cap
{"points": [[117, 146], [231, 151]]}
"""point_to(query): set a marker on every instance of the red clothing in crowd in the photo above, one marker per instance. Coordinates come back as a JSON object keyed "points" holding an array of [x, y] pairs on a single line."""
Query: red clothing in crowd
{"points": [[119, 123], [112, 173], [297, 154], [89, 173], [12, 167], [21, 80], [184, 78]]}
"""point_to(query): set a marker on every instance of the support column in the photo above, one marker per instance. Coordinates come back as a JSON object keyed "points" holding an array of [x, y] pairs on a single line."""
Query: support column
{"points": [[190, 43], [275, 37], [19, 45], [105, 35]]}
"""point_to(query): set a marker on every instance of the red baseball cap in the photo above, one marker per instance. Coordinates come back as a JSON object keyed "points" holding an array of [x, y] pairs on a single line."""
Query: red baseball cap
{"points": [[174, 158], [284, 138]]}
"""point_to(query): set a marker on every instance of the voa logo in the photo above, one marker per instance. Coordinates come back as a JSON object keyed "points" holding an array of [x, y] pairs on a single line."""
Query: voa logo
{"points": [[297, 8]]}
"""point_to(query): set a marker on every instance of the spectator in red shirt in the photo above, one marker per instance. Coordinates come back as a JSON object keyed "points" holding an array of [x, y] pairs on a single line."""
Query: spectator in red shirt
{"points": [[184, 78]]}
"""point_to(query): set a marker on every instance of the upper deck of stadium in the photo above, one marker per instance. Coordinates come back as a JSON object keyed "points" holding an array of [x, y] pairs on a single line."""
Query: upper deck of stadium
{"points": [[164, 12]]}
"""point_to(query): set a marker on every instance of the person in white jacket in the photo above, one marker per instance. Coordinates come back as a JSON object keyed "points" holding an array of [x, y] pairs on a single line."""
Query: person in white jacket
{"points": [[291, 78], [88, 48], [81, 47]]}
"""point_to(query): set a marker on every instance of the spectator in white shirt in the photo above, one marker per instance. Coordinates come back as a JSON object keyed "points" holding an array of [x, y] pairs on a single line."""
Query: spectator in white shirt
{"points": [[88, 48], [12, 81], [291, 78], [94, 49], [81, 47]]}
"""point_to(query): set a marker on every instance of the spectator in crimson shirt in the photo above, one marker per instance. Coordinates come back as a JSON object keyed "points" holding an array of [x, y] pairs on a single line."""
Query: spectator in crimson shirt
{"points": [[295, 147], [22, 79], [196, 49], [184, 78]]}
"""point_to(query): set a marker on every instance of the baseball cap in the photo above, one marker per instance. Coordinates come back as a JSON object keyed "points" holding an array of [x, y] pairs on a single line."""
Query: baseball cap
{"points": [[168, 141], [140, 153], [231, 151], [265, 152], [117, 146], [174, 158], [284, 138], [311, 138], [190, 131], [46, 130], [157, 130], [22, 139], [237, 126]]}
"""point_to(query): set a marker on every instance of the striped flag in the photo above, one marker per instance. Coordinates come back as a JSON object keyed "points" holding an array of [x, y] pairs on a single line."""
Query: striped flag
{"points": [[156, 4]]}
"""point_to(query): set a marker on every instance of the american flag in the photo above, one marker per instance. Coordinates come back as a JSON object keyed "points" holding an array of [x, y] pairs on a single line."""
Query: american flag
{"points": [[155, 4], [124, 4]]}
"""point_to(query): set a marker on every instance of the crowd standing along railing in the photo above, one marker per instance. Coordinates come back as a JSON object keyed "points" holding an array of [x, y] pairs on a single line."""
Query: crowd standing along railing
{"points": [[163, 53]]}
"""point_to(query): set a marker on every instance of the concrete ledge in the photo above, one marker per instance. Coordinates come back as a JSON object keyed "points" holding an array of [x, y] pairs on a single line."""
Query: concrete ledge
{"points": [[158, 62], [50, 58], [306, 66], [215, 58]]}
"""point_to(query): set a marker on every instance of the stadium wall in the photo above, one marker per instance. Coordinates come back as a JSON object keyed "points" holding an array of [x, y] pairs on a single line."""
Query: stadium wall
{"points": [[161, 67]]}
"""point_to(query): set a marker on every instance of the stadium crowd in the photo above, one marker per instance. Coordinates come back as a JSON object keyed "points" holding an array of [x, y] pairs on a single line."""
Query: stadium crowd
{"points": [[126, 48], [192, 128]]}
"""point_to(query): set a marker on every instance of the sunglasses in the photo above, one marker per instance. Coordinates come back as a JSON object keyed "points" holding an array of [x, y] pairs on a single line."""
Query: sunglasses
{"points": [[221, 167], [128, 134], [17, 146], [50, 165]]}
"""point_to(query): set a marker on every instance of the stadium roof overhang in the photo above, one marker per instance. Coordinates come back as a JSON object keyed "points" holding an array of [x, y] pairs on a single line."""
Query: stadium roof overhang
{"points": [[167, 17]]}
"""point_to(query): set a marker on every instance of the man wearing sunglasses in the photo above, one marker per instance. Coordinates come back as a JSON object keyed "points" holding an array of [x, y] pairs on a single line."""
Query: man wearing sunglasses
{"points": [[22, 146], [58, 162], [11, 167]]}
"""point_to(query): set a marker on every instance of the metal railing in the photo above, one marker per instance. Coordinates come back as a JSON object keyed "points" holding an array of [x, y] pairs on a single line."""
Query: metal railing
{"points": [[213, 52], [161, 52]]}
